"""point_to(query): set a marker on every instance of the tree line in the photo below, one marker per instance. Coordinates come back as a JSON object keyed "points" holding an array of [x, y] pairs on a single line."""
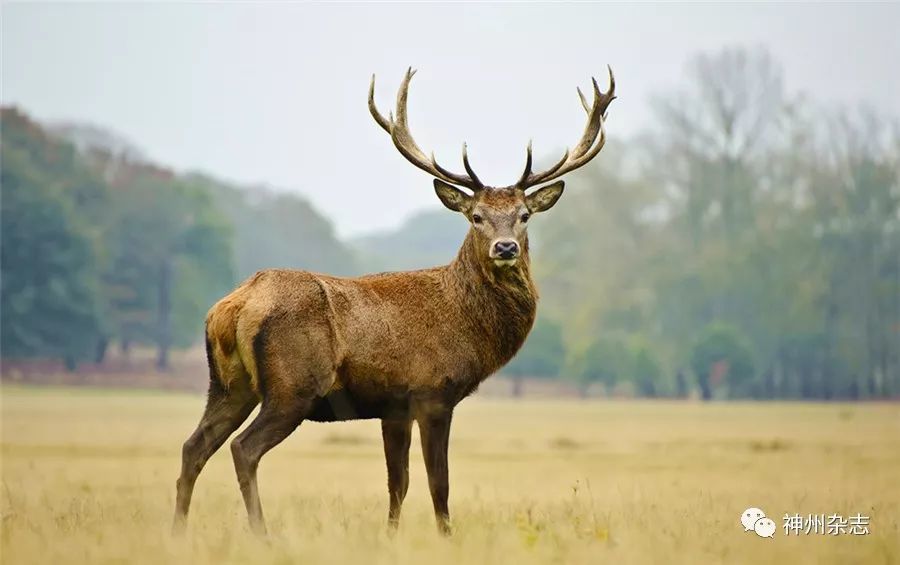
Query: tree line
{"points": [[100, 246], [748, 246], [745, 246]]}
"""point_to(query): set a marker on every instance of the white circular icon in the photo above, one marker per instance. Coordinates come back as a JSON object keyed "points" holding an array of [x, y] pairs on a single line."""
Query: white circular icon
{"points": [[764, 528], [750, 516]]}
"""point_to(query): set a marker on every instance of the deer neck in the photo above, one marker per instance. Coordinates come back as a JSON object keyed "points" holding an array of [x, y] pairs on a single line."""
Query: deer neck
{"points": [[500, 301]]}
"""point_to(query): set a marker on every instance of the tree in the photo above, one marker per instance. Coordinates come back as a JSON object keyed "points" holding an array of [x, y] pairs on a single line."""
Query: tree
{"points": [[857, 211], [721, 356], [714, 134], [170, 246], [50, 287], [606, 360], [541, 356], [645, 372]]}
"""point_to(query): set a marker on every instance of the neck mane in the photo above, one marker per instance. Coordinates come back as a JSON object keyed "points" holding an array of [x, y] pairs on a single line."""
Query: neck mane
{"points": [[501, 302]]}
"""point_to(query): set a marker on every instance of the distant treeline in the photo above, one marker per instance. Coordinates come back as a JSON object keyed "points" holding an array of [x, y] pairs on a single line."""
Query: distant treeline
{"points": [[747, 246], [100, 246]]}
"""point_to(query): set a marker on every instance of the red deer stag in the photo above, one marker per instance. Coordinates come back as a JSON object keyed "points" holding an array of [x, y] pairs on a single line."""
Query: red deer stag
{"points": [[395, 346]]}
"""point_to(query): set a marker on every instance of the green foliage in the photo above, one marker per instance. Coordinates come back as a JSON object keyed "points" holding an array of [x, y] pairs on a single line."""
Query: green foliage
{"points": [[738, 210], [96, 247], [50, 283], [99, 245], [614, 359], [606, 360], [722, 356], [542, 354], [169, 246], [646, 372]]}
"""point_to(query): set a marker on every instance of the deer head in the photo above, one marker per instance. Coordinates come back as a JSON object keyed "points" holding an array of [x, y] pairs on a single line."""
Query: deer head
{"points": [[499, 215]]}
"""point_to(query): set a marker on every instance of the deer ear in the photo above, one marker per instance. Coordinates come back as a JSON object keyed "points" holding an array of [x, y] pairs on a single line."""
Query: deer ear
{"points": [[452, 197], [545, 197]]}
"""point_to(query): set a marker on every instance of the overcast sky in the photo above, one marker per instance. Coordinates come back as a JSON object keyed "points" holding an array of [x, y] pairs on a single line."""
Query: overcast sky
{"points": [[276, 93]]}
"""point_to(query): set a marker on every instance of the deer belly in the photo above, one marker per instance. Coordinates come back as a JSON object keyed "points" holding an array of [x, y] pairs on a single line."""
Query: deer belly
{"points": [[341, 404]]}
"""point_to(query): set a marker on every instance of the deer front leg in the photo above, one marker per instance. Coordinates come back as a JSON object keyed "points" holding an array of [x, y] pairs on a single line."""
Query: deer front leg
{"points": [[396, 435], [435, 432]]}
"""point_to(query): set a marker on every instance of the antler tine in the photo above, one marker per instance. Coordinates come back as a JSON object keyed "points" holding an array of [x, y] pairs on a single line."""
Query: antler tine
{"points": [[398, 128], [385, 124], [584, 102], [449, 176], [588, 146], [528, 160], [526, 174], [612, 83], [467, 166]]}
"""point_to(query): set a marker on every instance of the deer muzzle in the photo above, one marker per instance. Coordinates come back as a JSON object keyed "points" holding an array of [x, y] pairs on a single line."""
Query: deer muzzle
{"points": [[505, 250]]}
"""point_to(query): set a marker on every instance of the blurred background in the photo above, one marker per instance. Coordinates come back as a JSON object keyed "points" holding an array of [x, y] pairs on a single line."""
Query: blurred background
{"points": [[738, 237]]}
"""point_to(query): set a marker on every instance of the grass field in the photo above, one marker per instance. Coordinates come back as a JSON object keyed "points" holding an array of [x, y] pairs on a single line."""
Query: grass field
{"points": [[89, 475]]}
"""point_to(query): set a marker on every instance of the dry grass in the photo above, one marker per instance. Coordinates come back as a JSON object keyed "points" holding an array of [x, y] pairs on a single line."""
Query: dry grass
{"points": [[88, 477]]}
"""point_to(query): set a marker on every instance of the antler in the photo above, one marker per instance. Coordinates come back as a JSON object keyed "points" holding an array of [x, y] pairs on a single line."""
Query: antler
{"points": [[586, 149], [403, 140]]}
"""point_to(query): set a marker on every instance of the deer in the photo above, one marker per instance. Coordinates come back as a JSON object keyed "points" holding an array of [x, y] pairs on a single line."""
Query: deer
{"points": [[401, 347]]}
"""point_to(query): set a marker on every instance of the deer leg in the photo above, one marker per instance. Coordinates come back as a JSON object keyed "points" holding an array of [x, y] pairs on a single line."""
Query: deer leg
{"points": [[224, 413], [396, 434], [275, 422], [435, 432]]}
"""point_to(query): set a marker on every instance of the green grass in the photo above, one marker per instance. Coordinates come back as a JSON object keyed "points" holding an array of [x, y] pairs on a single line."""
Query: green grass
{"points": [[88, 477]]}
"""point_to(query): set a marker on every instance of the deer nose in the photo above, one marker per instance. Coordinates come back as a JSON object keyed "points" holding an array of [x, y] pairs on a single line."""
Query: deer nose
{"points": [[506, 249]]}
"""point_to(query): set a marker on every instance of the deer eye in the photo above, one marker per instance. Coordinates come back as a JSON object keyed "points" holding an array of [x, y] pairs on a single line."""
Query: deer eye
{"points": [[476, 218], [524, 217]]}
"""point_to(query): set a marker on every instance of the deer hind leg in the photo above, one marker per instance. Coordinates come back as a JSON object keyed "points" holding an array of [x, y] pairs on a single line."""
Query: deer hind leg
{"points": [[294, 371], [396, 435], [272, 425], [224, 413]]}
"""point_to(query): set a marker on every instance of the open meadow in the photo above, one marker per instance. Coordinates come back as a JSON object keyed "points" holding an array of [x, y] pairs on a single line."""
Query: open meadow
{"points": [[89, 477]]}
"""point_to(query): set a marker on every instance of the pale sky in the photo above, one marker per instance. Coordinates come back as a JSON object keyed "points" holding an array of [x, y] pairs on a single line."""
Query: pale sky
{"points": [[276, 93]]}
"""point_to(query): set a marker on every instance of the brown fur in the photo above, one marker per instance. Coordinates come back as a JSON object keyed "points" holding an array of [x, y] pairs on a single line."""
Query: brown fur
{"points": [[437, 332]]}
